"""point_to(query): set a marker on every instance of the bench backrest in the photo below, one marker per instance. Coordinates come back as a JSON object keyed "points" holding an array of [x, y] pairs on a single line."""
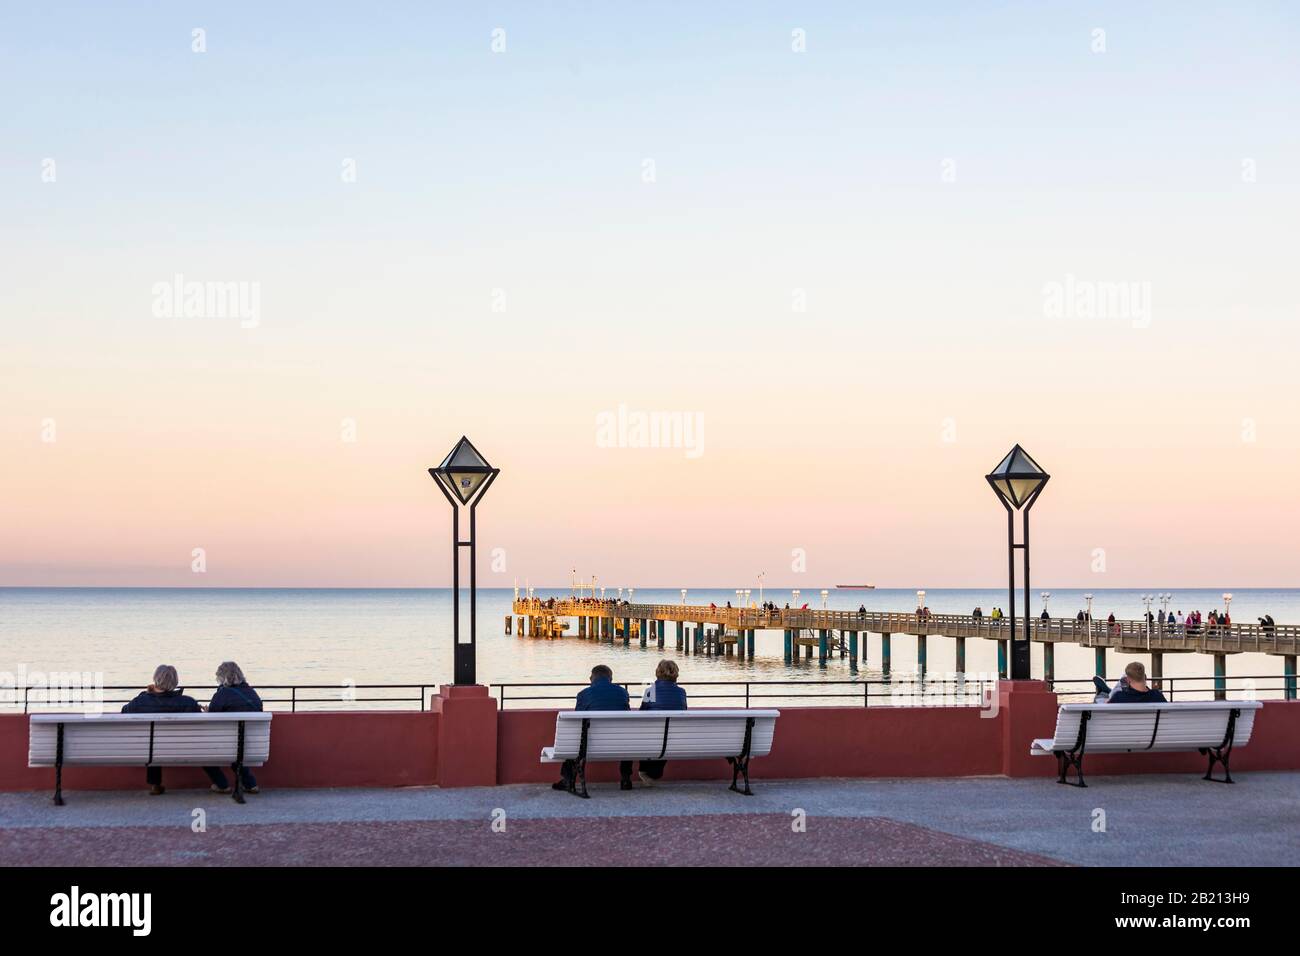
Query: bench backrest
{"points": [[639, 734], [1155, 727], [161, 740]]}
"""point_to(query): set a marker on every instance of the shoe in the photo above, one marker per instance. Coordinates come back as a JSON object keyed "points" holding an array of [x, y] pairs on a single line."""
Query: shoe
{"points": [[157, 790], [646, 779], [252, 790], [560, 785], [216, 789], [625, 785]]}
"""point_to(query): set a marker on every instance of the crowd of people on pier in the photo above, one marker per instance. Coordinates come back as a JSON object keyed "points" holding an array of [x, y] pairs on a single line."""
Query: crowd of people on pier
{"points": [[166, 696]]}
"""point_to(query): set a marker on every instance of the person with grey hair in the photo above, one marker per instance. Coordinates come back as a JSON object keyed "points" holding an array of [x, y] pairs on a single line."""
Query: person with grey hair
{"points": [[233, 696], [163, 696]]}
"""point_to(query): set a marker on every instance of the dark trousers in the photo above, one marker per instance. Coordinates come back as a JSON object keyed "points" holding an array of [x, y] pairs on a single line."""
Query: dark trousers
{"points": [[153, 777], [569, 767], [654, 769]]}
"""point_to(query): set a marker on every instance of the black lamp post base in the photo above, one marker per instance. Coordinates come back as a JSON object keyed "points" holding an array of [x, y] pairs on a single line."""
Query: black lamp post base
{"points": [[464, 664], [1020, 660]]}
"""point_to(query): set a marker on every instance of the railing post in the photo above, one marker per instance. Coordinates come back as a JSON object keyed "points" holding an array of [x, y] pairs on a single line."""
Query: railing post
{"points": [[293, 699]]}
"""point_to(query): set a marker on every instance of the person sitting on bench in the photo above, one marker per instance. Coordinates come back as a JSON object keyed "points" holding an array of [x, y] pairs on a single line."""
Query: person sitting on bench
{"points": [[663, 694], [1131, 689], [603, 694], [233, 696], [163, 696]]}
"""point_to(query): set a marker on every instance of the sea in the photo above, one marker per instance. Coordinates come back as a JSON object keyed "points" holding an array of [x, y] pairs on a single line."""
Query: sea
{"points": [[340, 640]]}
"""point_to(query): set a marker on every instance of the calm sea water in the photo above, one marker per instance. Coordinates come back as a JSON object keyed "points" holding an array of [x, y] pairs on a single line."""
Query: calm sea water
{"points": [[404, 636]]}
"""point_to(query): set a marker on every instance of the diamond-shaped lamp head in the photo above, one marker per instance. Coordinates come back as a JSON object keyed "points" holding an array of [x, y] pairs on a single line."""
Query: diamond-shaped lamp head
{"points": [[1017, 479], [463, 471]]}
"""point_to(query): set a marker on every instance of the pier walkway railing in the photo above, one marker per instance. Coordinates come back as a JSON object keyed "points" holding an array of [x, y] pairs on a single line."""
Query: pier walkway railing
{"points": [[1127, 634]]}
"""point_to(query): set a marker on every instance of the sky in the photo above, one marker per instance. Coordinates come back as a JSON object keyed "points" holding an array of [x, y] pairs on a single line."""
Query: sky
{"points": [[854, 252]]}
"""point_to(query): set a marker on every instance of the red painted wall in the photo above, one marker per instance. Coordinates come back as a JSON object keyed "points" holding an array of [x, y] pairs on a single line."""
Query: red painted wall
{"points": [[394, 748], [319, 749]]}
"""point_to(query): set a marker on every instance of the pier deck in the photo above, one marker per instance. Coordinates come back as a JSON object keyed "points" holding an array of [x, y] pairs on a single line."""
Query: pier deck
{"points": [[1284, 639]]}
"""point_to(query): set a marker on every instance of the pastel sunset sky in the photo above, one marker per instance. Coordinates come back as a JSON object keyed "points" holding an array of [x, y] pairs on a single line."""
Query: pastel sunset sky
{"points": [[866, 251]]}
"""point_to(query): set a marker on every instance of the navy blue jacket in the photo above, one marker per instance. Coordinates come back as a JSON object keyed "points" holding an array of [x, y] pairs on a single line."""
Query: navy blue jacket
{"points": [[664, 695], [163, 702], [235, 699], [603, 695], [1123, 694]]}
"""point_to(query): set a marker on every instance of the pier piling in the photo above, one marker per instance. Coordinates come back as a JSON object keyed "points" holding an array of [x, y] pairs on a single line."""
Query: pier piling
{"points": [[885, 655], [1049, 661], [961, 655], [1099, 661], [1220, 676], [1002, 659], [920, 655], [1288, 670]]}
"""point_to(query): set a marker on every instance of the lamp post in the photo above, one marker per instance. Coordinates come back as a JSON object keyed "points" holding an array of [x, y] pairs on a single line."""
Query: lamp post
{"points": [[1227, 604], [739, 592], [1146, 620], [630, 592], [464, 478], [796, 598], [1046, 596], [824, 593], [1018, 481], [920, 600], [683, 597], [1088, 597], [761, 575], [1164, 603], [748, 592]]}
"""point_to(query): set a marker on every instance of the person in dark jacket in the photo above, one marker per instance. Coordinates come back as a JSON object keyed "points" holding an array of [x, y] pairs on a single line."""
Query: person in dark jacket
{"points": [[603, 694], [163, 696], [1133, 688], [233, 696], [663, 694]]}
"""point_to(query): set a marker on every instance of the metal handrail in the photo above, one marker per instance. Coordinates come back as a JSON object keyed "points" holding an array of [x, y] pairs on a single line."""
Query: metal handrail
{"points": [[864, 690], [973, 687], [293, 699]]}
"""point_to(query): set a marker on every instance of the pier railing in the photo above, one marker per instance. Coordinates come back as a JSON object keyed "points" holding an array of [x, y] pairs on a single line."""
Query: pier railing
{"points": [[1128, 634]]}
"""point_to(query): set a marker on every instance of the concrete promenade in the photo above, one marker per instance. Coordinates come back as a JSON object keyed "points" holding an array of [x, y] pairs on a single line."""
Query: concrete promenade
{"points": [[1150, 820]]}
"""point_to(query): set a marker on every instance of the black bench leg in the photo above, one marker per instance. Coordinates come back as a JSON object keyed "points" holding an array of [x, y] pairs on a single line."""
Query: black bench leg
{"points": [[58, 767], [740, 768], [578, 785], [580, 765], [1066, 760], [238, 793], [1217, 756], [740, 764]]}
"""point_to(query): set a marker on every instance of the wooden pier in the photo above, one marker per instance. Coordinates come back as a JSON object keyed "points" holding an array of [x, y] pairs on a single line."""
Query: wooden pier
{"points": [[729, 631]]}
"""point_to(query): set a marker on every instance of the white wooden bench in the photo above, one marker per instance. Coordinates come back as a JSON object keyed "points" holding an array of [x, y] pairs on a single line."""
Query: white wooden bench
{"points": [[149, 740], [737, 735], [1212, 728]]}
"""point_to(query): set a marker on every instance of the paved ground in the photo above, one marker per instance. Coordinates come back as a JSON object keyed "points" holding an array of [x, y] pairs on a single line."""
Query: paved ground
{"points": [[1148, 820]]}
